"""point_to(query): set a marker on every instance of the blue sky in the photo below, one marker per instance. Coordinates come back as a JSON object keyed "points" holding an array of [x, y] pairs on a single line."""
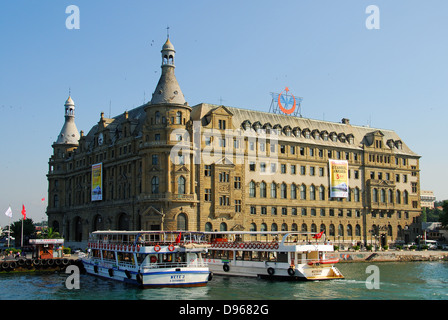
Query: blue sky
{"points": [[238, 51]]}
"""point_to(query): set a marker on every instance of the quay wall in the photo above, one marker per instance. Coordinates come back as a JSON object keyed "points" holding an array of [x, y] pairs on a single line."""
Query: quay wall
{"points": [[389, 256]]}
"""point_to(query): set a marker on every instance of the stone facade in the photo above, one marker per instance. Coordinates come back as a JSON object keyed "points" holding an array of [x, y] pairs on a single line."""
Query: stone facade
{"points": [[166, 165]]}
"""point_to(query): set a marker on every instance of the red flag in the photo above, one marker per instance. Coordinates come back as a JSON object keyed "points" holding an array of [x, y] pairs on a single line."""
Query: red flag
{"points": [[318, 235], [23, 212], [178, 237]]}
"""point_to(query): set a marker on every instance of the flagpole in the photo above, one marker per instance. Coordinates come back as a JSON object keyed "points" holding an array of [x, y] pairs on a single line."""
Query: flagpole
{"points": [[21, 240], [9, 228]]}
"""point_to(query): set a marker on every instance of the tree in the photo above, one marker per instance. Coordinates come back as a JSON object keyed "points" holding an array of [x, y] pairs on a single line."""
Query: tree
{"points": [[28, 230], [444, 215], [50, 234]]}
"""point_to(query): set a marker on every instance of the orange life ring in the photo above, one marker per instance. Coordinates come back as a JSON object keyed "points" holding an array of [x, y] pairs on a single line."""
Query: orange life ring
{"points": [[171, 247], [276, 245], [157, 248], [153, 259]]}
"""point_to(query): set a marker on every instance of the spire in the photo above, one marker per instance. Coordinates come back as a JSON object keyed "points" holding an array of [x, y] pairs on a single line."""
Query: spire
{"points": [[69, 133], [168, 89]]}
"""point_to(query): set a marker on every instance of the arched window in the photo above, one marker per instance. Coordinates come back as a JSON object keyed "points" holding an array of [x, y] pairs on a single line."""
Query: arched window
{"points": [[181, 185], [358, 230], [405, 197], [263, 227], [322, 228], [389, 230], [331, 230], [123, 222], [294, 227], [253, 227], [284, 227], [340, 230], [155, 185], [304, 227], [312, 193], [179, 117], [274, 227], [223, 226], [293, 191], [356, 194], [383, 196], [263, 189], [283, 191], [252, 189], [157, 116], [398, 197], [313, 227], [303, 192], [208, 227], [391, 196], [182, 223], [273, 190], [375, 195], [321, 193], [55, 201], [349, 230]]}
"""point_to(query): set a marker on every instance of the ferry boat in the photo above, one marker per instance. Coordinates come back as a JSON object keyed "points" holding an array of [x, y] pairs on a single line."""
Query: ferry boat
{"points": [[149, 258], [273, 255]]}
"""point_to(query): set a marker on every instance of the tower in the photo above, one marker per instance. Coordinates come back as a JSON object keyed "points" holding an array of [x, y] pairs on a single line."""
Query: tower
{"points": [[69, 134], [170, 183]]}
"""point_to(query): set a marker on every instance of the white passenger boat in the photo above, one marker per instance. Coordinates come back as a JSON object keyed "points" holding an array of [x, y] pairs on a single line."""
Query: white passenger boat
{"points": [[279, 255], [149, 258]]}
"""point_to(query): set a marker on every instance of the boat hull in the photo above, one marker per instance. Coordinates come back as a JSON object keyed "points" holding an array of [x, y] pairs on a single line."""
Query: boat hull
{"points": [[152, 278], [278, 271]]}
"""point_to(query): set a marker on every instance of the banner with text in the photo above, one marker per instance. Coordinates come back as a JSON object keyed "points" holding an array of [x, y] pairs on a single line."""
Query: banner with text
{"points": [[338, 178], [97, 182]]}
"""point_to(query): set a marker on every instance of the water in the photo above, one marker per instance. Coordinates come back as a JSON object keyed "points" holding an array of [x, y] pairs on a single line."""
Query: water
{"points": [[403, 281]]}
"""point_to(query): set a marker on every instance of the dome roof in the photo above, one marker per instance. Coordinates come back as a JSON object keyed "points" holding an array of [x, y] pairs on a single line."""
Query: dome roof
{"points": [[69, 102], [168, 45]]}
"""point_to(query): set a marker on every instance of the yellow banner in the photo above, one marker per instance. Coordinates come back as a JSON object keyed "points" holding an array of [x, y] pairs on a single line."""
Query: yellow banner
{"points": [[338, 178], [97, 182]]}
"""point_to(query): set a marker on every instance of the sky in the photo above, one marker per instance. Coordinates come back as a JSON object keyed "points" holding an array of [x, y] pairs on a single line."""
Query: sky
{"points": [[235, 53]]}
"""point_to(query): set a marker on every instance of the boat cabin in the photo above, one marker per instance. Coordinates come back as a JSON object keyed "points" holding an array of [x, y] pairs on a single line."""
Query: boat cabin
{"points": [[47, 248]]}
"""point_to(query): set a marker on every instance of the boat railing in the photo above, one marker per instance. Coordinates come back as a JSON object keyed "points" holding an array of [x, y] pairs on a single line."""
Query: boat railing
{"points": [[174, 265]]}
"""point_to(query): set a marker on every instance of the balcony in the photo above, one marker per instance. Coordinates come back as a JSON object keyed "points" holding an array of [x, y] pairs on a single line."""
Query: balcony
{"points": [[172, 197]]}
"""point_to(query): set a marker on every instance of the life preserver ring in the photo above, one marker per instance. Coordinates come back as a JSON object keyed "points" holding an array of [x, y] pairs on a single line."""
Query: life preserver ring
{"points": [[153, 259], [128, 274], [226, 267], [95, 269], [171, 247], [111, 272], [276, 245], [138, 248], [291, 271], [241, 245], [271, 271], [156, 248], [258, 245]]}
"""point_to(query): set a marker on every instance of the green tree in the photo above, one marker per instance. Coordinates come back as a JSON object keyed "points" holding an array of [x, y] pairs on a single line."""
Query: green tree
{"points": [[28, 230], [50, 234], [444, 215]]}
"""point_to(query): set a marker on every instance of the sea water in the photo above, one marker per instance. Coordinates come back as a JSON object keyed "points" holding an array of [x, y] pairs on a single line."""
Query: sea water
{"points": [[395, 281]]}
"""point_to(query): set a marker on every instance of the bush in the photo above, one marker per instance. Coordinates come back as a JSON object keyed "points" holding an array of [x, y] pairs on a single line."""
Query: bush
{"points": [[398, 247], [336, 248], [369, 247], [355, 247], [67, 250], [386, 247]]}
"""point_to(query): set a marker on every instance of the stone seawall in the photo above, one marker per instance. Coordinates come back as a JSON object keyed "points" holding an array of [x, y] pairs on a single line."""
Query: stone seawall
{"points": [[388, 256]]}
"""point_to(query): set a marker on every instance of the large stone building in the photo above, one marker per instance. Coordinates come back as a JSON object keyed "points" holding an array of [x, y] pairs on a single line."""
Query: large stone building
{"points": [[166, 165]]}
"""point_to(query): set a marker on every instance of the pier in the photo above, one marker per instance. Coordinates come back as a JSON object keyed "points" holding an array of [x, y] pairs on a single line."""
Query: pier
{"points": [[391, 256]]}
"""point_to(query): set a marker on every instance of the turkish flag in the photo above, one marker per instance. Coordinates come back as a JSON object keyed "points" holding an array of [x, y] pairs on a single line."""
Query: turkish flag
{"points": [[23, 212], [178, 238], [318, 235]]}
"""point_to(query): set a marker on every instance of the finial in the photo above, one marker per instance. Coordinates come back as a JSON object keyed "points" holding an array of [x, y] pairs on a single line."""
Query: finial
{"points": [[168, 32]]}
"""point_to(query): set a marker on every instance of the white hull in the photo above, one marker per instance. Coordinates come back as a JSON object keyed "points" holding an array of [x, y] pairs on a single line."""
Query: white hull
{"points": [[157, 277], [273, 270]]}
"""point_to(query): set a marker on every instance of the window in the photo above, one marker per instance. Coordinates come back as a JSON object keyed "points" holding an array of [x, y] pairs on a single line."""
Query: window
{"points": [[222, 124], [155, 159], [283, 191], [263, 189], [356, 194], [274, 211], [251, 189], [207, 170], [294, 211], [155, 185], [303, 192], [224, 201], [273, 190], [284, 211], [208, 195], [179, 117], [375, 195], [293, 191], [264, 210], [237, 182], [293, 169], [181, 185], [237, 205], [253, 210], [312, 193], [321, 193], [302, 170], [283, 168]]}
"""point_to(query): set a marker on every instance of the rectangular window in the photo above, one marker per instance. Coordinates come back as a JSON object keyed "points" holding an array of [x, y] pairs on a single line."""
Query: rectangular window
{"points": [[208, 195]]}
